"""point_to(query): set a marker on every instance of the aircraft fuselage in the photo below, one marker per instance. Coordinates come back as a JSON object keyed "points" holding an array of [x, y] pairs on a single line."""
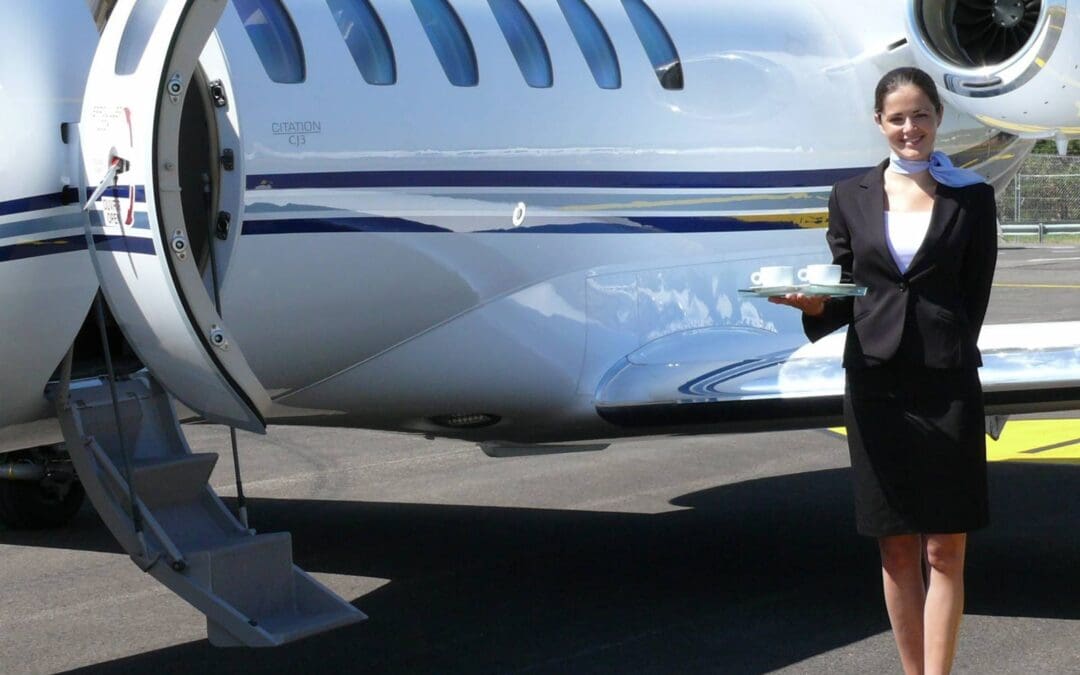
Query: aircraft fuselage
{"points": [[399, 254]]}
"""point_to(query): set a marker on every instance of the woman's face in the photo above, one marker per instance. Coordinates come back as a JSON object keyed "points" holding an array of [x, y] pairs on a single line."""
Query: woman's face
{"points": [[909, 121]]}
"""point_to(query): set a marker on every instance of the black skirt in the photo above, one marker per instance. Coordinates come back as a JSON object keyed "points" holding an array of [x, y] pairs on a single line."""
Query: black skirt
{"points": [[918, 449]]}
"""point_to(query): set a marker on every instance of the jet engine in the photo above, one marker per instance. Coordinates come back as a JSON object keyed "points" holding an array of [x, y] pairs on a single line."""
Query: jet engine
{"points": [[1012, 64]]}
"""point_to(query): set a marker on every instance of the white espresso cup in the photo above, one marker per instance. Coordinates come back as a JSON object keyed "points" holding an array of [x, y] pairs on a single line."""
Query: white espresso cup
{"points": [[820, 274], [773, 275]]}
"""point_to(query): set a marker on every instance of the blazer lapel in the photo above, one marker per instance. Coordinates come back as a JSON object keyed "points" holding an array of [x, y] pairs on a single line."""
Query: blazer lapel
{"points": [[942, 216], [872, 204]]}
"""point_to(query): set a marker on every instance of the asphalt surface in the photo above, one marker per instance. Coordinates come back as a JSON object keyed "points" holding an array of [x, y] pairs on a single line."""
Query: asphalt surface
{"points": [[723, 554]]}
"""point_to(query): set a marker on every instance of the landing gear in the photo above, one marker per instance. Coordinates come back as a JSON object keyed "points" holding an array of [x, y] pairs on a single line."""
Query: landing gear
{"points": [[38, 488]]}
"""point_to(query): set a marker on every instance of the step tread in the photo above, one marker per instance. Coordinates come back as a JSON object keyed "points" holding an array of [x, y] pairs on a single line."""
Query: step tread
{"points": [[288, 627]]}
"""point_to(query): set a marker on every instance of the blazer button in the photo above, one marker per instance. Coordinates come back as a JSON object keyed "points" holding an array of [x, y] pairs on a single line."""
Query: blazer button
{"points": [[903, 286]]}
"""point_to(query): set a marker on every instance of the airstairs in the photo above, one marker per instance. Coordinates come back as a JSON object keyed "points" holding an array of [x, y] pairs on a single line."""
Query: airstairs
{"points": [[180, 531]]}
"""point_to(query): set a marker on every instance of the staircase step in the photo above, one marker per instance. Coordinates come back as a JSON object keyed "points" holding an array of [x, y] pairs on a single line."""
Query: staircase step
{"points": [[245, 584], [253, 574], [287, 628], [256, 577], [171, 480]]}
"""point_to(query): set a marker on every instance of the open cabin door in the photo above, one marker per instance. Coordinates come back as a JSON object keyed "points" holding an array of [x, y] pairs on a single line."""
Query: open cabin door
{"points": [[140, 240]]}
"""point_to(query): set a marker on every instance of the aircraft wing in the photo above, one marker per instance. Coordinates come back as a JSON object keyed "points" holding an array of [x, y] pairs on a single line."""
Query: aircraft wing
{"points": [[1029, 367]]}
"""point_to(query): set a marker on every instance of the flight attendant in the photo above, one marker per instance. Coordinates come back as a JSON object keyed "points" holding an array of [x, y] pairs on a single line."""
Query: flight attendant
{"points": [[921, 235]]}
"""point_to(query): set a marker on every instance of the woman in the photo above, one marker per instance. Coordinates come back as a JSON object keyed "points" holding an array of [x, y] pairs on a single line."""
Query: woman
{"points": [[921, 236]]}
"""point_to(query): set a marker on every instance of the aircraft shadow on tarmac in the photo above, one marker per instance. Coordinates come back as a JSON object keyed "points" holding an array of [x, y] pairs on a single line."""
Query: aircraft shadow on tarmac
{"points": [[749, 577]]}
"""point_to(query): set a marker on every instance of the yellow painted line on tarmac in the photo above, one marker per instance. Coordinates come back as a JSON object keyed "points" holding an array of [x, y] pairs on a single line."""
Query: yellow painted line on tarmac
{"points": [[1036, 441], [1051, 441], [1072, 286]]}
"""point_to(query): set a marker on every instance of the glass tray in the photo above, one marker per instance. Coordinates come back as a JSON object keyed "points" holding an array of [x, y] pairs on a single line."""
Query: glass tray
{"points": [[831, 290]]}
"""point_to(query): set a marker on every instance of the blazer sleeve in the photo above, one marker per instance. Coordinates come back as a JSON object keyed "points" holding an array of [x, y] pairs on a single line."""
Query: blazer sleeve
{"points": [[838, 311], [980, 259]]}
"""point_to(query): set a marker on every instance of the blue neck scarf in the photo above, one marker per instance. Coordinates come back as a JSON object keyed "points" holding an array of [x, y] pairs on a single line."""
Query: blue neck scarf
{"points": [[940, 168]]}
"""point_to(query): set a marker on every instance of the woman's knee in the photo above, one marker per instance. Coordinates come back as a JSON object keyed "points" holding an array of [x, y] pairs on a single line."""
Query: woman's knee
{"points": [[945, 552], [900, 553]]}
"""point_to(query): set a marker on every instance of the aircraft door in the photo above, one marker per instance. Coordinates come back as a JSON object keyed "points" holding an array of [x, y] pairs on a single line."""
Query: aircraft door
{"points": [[140, 241]]}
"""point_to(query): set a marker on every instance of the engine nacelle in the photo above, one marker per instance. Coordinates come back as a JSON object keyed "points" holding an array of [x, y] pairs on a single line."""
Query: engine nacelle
{"points": [[1012, 64]]}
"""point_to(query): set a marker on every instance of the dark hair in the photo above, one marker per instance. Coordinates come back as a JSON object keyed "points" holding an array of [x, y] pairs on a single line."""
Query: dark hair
{"points": [[898, 77]]}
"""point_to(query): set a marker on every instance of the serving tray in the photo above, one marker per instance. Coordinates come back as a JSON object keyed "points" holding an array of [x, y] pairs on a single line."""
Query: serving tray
{"points": [[831, 290]]}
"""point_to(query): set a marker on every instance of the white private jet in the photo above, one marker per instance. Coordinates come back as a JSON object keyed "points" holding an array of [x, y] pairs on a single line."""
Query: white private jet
{"points": [[517, 221]]}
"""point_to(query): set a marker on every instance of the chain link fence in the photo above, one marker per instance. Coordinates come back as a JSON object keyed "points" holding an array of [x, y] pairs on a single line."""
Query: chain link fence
{"points": [[1043, 198]]}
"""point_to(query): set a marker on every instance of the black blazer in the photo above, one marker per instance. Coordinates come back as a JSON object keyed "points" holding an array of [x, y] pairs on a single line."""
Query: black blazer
{"points": [[930, 315]]}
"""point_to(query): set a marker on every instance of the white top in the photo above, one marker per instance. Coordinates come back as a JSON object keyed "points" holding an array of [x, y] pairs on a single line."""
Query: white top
{"points": [[905, 231]]}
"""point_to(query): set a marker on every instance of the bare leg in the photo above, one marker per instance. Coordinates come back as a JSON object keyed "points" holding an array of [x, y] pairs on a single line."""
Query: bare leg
{"points": [[905, 596], [944, 600]]}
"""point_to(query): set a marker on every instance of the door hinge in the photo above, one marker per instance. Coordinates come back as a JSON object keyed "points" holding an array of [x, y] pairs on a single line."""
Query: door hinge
{"points": [[218, 339], [179, 244], [228, 159]]}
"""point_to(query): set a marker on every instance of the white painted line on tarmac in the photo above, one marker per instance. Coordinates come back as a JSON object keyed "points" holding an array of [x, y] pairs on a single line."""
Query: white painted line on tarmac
{"points": [[1043, 260]]}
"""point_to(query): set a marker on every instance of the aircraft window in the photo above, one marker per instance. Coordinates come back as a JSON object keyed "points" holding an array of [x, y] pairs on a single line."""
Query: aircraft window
{"points": [[274, 37], [525, 41], [594, 42], [144, 16], [449, 40], [657, 43], [366, 38]]}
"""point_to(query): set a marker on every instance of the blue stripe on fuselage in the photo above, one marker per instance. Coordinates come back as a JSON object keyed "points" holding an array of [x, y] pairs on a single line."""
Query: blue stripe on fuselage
{"points": [[449, 179], [557, 179], [35, 203], [120, 192], [56, 199], [34, 249], [53, 225], [111, 242], [342, 224], [635, 225]]}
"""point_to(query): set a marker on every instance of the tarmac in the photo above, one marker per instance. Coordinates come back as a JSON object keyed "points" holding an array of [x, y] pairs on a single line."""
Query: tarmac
{"points": [[694, 554]]}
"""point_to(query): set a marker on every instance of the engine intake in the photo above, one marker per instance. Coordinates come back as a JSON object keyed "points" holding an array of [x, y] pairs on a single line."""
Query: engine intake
{"points": [[1013, 64], [974, 33]]}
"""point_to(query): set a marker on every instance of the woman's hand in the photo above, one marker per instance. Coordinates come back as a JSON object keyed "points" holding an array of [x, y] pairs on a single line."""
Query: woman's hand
{"points": [[811, 305]]}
